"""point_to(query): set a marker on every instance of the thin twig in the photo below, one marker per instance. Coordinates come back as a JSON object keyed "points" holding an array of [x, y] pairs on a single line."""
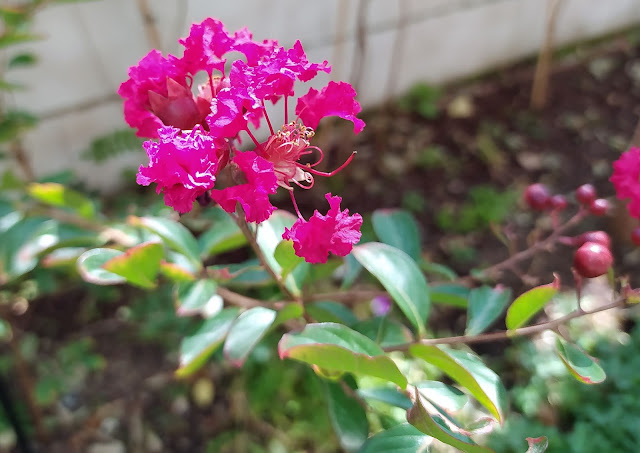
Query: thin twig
{"points": [[508, 334], [149, 24], [540, 88]]}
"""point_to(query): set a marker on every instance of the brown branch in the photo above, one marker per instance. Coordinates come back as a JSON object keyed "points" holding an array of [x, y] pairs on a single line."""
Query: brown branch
{"points": [[507, 334], [150, 24]]}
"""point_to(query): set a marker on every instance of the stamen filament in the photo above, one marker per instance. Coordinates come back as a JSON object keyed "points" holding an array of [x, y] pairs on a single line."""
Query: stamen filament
{"points": [[322, 173], [295, 205], [286, 110]]}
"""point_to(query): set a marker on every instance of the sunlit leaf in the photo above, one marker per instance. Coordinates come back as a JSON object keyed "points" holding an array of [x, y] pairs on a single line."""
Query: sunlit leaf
{"points": [[445, 396], [61, 196], [337, 348], [139, 265], [90, 266], [286, 257], [403, 438], [537, 444], [223, 235], [400, 276], [399, 229], [531, 302], [198, 297], [347, 417], [468, 371], [246, 332], [582, 366], [195, 349], [386, 395], [486, 304]]}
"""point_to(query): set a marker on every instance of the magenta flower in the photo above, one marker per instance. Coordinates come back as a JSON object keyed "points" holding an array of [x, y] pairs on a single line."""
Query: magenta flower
{"points": [[253, 196], [336, 232], [626, 179], [183, 165], [336, 99]]}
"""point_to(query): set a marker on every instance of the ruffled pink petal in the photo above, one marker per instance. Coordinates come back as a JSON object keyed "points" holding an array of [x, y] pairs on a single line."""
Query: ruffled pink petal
{"points": [[337, 232], [336, 99], [626, 179], [150, 74], [254, 195], [183, 166], [207, 42]]}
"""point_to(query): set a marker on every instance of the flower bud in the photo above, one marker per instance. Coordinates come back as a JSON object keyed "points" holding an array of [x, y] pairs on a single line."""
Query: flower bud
{"points": [[635, 236], [537, 196], [599, 237], [599, 207], [592, 260], [558, 202], [585, 194]]}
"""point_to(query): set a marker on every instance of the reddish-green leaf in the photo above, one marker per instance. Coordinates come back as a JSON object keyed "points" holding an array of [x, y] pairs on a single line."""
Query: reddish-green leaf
{"points": [[246, 332], [197, 348], [485, 306], [90, 267], [468, 371], [401, 277], [528, 304], [581, 365], [339, 349], [537, 444], [436, 427], [175, 272], [347, 416], [139, 265], [403, 438]]}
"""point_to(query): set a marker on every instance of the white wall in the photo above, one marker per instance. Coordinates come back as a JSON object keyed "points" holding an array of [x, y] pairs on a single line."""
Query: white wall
{"points": [[89, 46]]}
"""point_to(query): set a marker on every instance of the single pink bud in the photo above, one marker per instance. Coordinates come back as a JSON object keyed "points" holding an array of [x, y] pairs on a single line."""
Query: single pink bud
{"points": [[537, 196], [558, 202], [599, 237], [585, 194], [599, 207], [635, 236], [592, 260]]}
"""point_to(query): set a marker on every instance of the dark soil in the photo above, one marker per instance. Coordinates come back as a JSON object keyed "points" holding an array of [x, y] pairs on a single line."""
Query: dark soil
{"points": [[593, 109]]}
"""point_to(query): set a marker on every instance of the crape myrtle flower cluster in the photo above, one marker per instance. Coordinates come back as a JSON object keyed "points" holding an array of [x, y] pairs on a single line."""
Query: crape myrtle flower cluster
{"points": [[195, 130]]}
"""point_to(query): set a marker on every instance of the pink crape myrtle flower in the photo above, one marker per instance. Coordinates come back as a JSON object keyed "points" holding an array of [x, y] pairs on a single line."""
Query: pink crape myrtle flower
{"points": [[336, 232], [336, 99], [253, 196], [626, 179], [183, 164]]}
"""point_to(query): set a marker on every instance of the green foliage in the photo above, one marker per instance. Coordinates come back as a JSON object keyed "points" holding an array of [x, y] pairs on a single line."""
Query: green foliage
{"points": [[113, 145], [422, 99]]}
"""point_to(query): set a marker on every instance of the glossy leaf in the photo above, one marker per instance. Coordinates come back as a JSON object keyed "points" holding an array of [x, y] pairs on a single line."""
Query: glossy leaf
{"points": [[172, 233], [531, 302], [90, 266], [246, 274], [445, 396], [246, 332], [223, 235], [398, 229], [468, 371], [175, 272], [437, 428], [582, 366], [21, 244], [537, 444], [337, 348], [268, 237], [403, 438], [329, 311], [58, 195], [286, 257], [289, 311], [486, 304], [400, 276], [347, 417], [139, 265], [197, 348], [450, 294], [198, 297], [385, 332], [438, 269], [386, 395]]}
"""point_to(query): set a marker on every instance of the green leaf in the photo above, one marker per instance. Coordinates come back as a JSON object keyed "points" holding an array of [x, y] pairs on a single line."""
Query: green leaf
{"points": [[403, 438], [445, 396], [246, 274], [246, 332], [450, 294], [400, 276], [486, 304], [287, 312], [90, 267], [386, 395], [438, 269], [5, 85], [385, 332], [286, 257], [582, 366], [113, 144], [436, 427], [22, 60], [58, 195], [347, 417], [531, 302], [337, 348], [13, 123], [198, 297], [197, 348], [268, 237], [139, 265], [398, 229], [223, 235], [537, 444], [175, 272], [174, 234], [329, 311], [10, 39], [468, 371]]}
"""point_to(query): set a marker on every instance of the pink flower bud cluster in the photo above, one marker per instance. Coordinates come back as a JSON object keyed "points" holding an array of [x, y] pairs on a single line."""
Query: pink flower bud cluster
{"points": [[538, 198], [196, 130]]}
